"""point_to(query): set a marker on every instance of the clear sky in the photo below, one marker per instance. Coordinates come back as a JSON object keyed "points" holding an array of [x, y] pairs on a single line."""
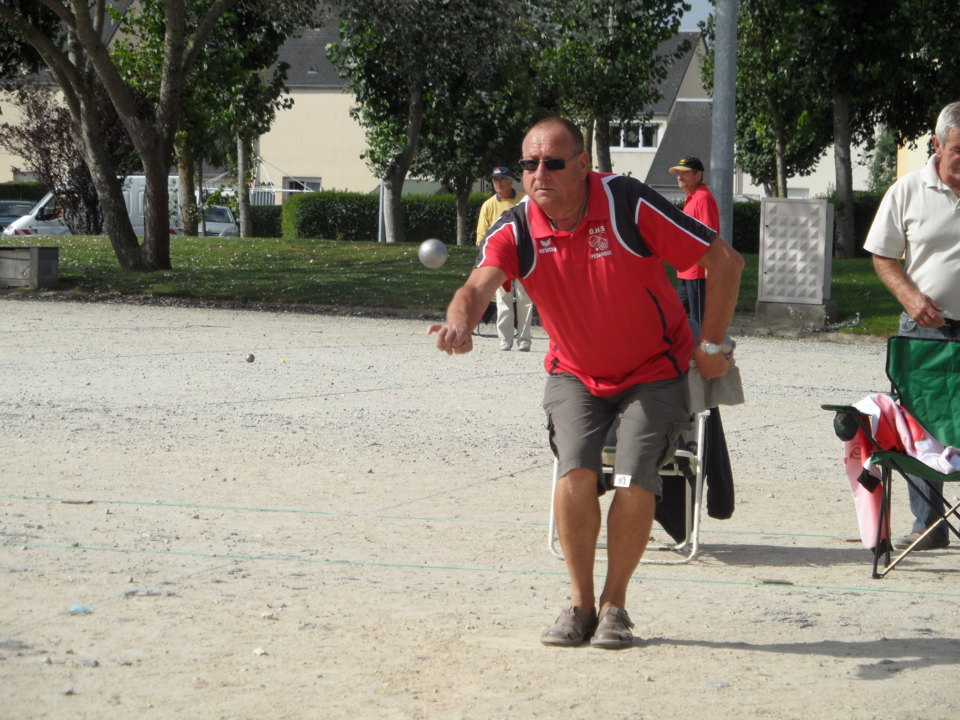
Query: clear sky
{"points": [[699, 11]]}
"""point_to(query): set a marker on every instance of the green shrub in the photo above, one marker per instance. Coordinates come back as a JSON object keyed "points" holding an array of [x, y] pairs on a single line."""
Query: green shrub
{"points": [[331, 215], [865, 206], [266, 221], [22, 191], [746, 227], [337, 215]]}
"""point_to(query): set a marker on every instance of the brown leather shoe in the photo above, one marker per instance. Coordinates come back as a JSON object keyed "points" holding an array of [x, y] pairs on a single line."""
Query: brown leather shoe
{"points": [[930, 542], [613, 630], [573, 627]]}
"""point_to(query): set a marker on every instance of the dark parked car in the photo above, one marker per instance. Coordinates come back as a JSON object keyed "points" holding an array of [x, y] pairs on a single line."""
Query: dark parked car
{"points": [[11, 210]]}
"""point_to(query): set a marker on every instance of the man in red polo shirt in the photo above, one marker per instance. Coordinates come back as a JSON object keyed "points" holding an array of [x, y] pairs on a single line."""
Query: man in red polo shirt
{"points": [[701, 204], [589, 248]]}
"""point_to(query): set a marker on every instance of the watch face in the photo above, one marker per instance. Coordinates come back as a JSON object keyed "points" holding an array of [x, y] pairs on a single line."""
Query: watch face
{"points": [[710, 348]]}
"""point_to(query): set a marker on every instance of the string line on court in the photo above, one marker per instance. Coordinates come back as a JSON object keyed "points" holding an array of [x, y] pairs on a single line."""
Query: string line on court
{"points": [[879, 588], [373, 515]]}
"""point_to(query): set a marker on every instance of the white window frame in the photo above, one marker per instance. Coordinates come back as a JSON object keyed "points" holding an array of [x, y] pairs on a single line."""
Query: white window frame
{"points": [[620, 132]]}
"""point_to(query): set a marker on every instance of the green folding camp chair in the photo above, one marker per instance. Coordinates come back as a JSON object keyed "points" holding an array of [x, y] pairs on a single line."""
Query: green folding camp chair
{"points": [[925, 380]]}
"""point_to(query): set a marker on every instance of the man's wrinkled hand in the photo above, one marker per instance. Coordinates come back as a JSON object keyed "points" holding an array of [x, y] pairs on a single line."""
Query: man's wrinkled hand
{"points": [[926, 312], [452, 340]]}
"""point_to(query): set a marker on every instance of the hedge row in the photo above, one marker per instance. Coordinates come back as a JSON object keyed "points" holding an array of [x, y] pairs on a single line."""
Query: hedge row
{"points": [[22, 191], [353, 216], [266, 221], [746, 221]]}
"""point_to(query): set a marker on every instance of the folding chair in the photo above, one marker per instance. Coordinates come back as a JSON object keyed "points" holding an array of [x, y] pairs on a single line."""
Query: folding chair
{"points": [[686, 465], [925, 380]]}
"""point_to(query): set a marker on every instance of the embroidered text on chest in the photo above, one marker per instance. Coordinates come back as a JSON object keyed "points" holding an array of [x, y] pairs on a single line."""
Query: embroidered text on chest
{"points": [[599, 242]]}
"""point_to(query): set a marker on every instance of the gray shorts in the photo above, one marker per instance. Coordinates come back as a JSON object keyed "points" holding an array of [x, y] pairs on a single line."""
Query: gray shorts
{"points": [[651, 416]]}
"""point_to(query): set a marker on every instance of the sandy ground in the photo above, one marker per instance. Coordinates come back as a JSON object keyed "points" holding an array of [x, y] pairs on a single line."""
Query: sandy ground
{"points": [[354, 526]]}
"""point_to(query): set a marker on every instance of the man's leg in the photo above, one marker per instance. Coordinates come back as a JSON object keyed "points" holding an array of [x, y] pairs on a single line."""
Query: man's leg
{"points": [[524, 316], [628, 530], [578, 423], [577, 508], [505, 318], [651, 417]]}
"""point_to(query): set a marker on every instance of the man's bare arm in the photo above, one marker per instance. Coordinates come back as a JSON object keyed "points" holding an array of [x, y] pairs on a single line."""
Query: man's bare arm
{"points": [[724, 266], [465, 310], [920, 307]]}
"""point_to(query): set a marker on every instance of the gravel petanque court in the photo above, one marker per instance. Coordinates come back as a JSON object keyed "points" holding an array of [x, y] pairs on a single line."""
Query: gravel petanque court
{"points": [[353, 525]]}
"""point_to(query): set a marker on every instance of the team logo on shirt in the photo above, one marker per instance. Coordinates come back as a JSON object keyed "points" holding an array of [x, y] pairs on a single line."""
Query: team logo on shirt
{"points": [[599, 242]]}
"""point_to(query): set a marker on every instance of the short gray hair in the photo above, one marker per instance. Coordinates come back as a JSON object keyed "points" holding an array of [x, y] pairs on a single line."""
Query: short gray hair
{"points": [[949, 120]]}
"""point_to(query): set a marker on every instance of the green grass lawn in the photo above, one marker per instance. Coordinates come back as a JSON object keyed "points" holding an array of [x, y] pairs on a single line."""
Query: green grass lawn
{"points": [[328, 272]]}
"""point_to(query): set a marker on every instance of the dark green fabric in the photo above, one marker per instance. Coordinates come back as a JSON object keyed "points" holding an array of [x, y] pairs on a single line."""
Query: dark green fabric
{"points": [[911, 466], [926, 378]]}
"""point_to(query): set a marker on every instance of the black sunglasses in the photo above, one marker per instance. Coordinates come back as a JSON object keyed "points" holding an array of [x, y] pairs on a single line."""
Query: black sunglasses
{"points": [[553, 164]]}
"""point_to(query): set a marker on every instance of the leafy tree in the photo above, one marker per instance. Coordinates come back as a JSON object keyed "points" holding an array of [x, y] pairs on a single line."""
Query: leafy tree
{"points": [[83, 62], [17, 56], [603, 57], [232, 94], [43, 139], [927, 74], [782, 125], [858, 55], [403, 59], [479, 123]]}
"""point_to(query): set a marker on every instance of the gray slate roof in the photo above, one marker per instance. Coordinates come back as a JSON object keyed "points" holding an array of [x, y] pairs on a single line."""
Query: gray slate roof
{"points": [[689, 132], [677, 69], [309, 67]]}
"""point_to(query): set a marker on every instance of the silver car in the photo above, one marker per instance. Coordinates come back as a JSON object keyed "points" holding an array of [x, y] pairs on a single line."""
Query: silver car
{"points": [[11, 210], [219, 220]]}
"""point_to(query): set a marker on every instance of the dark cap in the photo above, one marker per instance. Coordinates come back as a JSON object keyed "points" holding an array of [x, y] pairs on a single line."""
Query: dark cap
{"points": [[688, 163], [499, 172]]}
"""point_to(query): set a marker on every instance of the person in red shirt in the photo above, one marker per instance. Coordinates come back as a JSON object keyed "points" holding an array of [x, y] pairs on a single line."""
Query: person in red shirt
{"points": [[700, 204], [590, 249]]}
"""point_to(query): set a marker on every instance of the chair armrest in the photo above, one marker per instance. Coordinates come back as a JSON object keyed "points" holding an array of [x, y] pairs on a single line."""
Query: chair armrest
{"points": [[910, 466]]}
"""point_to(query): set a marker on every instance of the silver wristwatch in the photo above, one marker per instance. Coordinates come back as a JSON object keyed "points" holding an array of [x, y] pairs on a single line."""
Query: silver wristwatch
{"points": [[710, 348]]}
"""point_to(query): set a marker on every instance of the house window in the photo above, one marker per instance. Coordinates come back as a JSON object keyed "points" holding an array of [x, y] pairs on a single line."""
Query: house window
{"points": [[634, 136], [303, 184]]}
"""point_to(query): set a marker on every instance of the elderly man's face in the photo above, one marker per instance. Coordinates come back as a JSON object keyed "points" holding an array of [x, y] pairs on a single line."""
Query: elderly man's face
{"points": [[688, 180], [948, 156], [557, 192], [503, 186]]}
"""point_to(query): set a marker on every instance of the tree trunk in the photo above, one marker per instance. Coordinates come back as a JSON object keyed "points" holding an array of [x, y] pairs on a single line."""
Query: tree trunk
{"points": [[187, 192], [392, 207], [604, 162], [243, 187], [396, 172], [780, 149], [104, 175], [465, 228], [588, 137], [845, 231], [156, 221]]}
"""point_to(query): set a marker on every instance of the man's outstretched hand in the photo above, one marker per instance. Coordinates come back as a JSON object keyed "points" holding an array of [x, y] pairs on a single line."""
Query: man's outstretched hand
{"points": [[452, 340]]}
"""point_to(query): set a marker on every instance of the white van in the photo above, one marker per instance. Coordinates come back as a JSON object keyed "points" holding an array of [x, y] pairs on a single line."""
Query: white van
{"points": [[45, 217]]}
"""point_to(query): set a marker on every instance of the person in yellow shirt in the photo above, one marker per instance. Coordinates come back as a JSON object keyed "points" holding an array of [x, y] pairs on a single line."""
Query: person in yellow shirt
{"points": [[504, 198]]}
